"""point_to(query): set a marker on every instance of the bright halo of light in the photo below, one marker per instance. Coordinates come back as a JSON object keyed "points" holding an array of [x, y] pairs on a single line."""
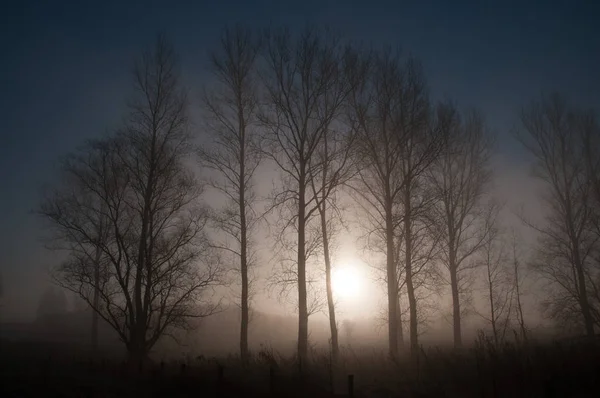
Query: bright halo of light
{"points": [[346, 282]]}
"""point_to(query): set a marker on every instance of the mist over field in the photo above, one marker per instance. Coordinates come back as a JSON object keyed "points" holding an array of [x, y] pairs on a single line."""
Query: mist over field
{"points": [[305, 199]]}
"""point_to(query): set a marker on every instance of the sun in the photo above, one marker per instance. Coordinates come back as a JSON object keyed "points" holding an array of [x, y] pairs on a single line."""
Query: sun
{"points": [[346, 282]]}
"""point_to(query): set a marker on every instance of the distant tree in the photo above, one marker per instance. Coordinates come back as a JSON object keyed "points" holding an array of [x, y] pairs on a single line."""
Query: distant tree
{"points": [[589, 132], [518, 277], [155, 265], [349, 326], [52, 302], [231, 106], [589, 129], [460, 178], [498, 282], [306, 88], [552, 132]]}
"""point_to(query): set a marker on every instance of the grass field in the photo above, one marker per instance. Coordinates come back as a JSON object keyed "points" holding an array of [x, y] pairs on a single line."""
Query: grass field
{"points": [[560, 369]]}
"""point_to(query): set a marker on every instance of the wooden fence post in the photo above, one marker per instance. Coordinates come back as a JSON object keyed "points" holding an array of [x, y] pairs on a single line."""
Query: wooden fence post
{"points": [[351, 386], [220, 373], [271, 379]]}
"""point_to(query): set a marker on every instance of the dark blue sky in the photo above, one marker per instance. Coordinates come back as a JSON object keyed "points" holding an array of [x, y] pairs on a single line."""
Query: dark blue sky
{"points": [[65, 70]]}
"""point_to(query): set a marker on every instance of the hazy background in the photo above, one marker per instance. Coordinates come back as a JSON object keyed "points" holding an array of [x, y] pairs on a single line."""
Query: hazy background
{"points": [[65, 76]]}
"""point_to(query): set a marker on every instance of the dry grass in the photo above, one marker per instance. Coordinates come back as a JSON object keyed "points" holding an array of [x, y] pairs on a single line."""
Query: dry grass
{"points": [[566, 369]]}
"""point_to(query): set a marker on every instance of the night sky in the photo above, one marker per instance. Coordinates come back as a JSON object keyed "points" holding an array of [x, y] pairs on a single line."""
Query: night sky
{"points": [[65, 72]]}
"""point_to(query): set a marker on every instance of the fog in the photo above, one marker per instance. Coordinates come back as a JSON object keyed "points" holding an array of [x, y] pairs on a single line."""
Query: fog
{"points": [[273, 321], [27, 277], [67, 100]]}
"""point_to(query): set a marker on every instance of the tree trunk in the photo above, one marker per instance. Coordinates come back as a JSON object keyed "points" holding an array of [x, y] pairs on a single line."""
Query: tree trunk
{"points": [[330, 303], [302, 294], [400, 329], [96, 300], [575, 241], [455, 308], [137, 352], [521, 319], [492, 307], [139, 315], [392, 284], [412, 301], [583, 299], [243, 252], [244, 299]]}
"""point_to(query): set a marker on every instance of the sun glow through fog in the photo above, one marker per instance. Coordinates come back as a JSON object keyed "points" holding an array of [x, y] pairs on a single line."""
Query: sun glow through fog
{"points": [[346, 282]]}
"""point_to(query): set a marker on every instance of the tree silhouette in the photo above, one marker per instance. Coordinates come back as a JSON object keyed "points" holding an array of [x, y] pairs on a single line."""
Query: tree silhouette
{"points": [[231, 106], [498, 283], [305, 88], [460, 177], [335, 157], [420, 147], [589, 132], [145, 252], [552, 132], [336, 167], [518, 276], [390, 113], [155, 265]]}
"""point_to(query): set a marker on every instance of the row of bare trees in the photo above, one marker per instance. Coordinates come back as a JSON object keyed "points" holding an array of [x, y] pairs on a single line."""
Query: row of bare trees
{"points": [[335, 122], [564, 142]]}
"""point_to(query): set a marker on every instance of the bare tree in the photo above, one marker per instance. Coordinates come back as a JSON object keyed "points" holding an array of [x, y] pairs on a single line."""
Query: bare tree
{"points": [[390, 113], [374, 244], [424, 250], [335, 165], [349, 326], [101, 235], [306, 88], [589, 129], [498, 283], [231, 106], [589, 132], [459, 178], [426, 283], [518, 278], [420, 147], [334, 161], [420, 262], [155, 263], [551, 132], [284, 277]]}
